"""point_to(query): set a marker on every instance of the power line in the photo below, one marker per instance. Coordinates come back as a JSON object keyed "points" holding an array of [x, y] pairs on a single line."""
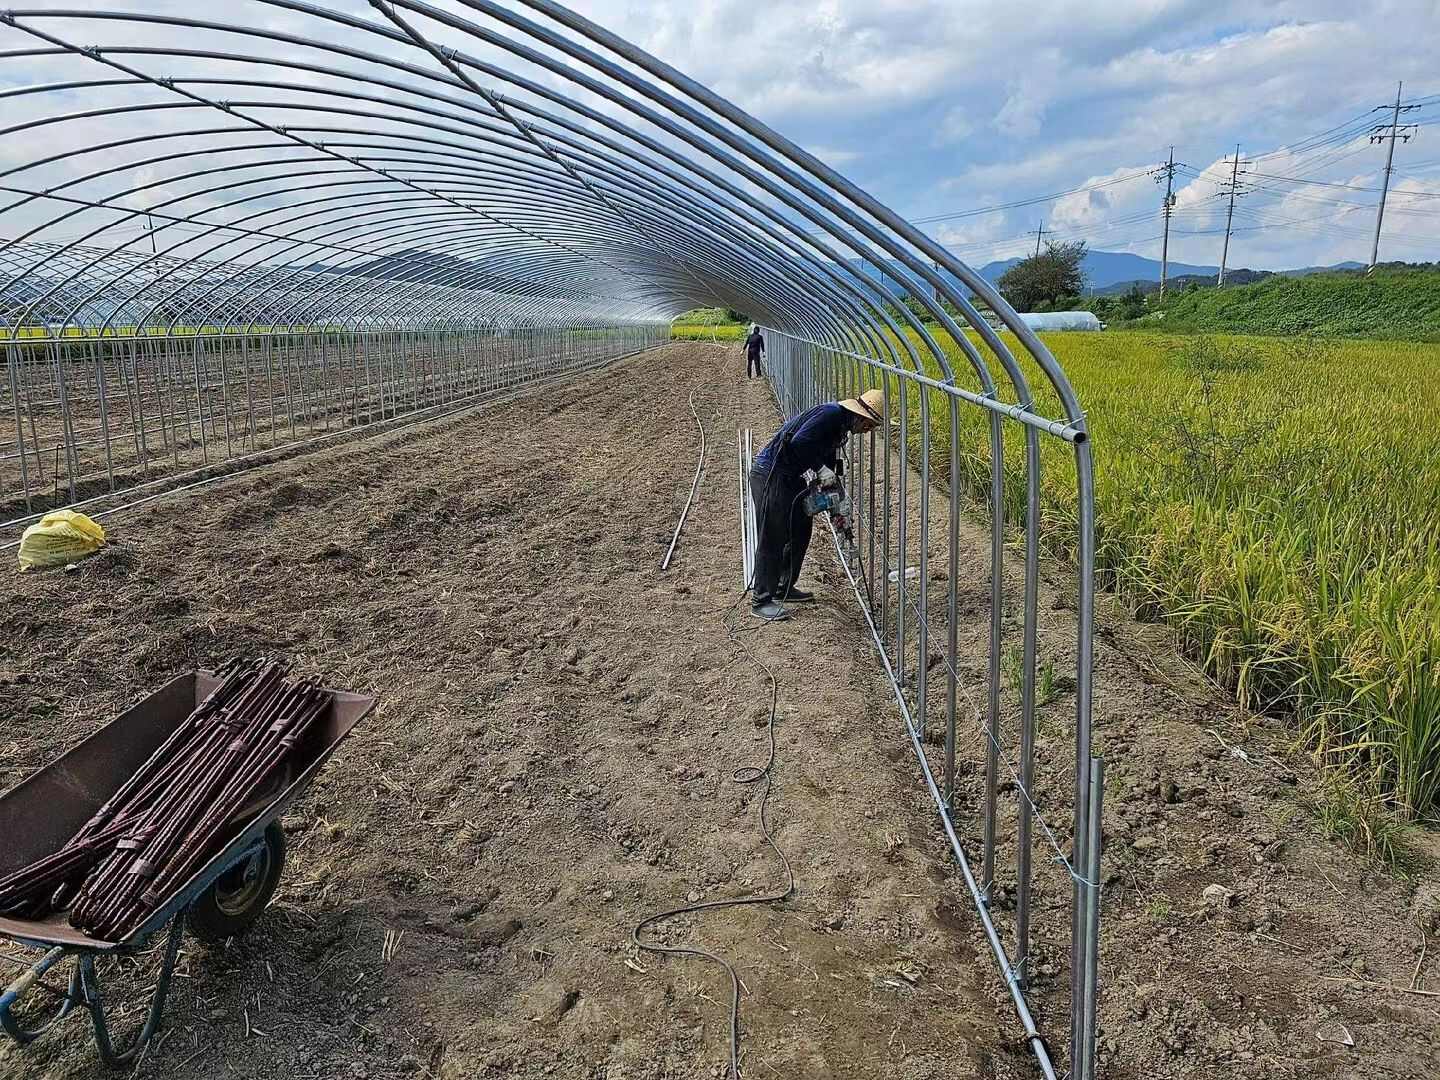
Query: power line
{"points": [[1347, 187], [1310, 154], [1308, 143], [1033, 200], [1328, 228]]}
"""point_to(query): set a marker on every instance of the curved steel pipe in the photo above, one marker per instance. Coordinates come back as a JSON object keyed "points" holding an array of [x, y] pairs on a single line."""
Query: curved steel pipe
{"points": [[314, 222]]}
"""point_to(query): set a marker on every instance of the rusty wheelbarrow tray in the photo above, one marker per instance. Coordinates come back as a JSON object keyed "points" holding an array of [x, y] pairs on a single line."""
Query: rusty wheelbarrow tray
{"points": [[223, 897]]}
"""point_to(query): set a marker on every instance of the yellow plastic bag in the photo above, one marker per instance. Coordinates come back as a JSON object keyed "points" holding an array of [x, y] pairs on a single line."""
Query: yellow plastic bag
{"points": [[61, 537]]}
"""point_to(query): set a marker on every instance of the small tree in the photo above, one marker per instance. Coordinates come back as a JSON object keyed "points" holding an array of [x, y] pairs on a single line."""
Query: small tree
{"points": [[1044, 278], [1132, 303]]}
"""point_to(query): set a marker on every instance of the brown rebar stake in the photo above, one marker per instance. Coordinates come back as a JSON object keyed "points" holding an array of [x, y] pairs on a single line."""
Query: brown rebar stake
{"points": [[110, 896], [48, 884], [261, 729], [288, 733], [112, 884], [174, 811]]}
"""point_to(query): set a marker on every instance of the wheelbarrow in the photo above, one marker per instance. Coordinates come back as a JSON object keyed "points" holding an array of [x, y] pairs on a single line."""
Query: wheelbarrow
{"points": [[221, 900]]}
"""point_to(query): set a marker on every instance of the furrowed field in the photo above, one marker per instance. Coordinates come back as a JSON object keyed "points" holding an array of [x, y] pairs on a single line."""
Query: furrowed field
{"points": [[1277, 501]]}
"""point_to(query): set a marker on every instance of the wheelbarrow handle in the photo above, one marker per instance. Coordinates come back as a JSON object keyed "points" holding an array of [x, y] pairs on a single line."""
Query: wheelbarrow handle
{"points": [[18, 989], [12, 1027]]}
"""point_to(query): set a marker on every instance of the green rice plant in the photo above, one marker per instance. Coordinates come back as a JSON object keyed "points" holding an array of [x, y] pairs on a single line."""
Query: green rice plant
{"points": [[1046, 685], [1159, 910], [681, 332], [1012, 666]]}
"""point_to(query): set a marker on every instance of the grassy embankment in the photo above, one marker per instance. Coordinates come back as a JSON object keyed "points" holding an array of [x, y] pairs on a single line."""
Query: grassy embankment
{"points": [[1400, 304]]}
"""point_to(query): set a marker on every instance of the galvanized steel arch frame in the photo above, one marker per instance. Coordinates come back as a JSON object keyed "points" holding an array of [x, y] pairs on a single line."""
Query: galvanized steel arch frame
{"points": [[603, 191]]}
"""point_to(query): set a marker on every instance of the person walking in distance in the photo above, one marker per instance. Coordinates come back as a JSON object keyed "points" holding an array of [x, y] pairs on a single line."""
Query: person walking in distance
{"points": [[810, 441], [754, 351]]}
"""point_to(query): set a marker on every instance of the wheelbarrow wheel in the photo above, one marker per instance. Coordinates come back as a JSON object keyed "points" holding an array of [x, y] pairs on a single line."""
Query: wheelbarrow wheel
{"points": [[229, 907]]}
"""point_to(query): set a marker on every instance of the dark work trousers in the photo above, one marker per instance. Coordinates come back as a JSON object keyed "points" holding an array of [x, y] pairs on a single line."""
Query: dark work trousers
{"points": [[752, 364], [781, 520]]}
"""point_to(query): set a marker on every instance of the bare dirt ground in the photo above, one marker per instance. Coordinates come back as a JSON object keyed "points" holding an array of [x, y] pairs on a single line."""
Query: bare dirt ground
{"points": [[551, 761]]}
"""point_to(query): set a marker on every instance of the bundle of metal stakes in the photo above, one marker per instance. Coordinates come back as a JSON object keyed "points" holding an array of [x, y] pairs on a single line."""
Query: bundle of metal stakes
{"points": [[178, 808]]}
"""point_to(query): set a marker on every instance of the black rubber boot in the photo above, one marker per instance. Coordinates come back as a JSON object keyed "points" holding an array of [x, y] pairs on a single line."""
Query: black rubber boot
{"points": [[770, 611]]}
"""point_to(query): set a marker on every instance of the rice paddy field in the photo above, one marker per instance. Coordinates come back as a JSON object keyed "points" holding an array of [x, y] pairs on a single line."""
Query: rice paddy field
{"points": [[1276, 501], [714, 332]]}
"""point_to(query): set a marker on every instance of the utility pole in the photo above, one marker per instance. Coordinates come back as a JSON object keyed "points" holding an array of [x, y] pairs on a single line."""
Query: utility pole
{"points": [[1388, 133], [1234, 187], [1039, 232], [1166, 207]]}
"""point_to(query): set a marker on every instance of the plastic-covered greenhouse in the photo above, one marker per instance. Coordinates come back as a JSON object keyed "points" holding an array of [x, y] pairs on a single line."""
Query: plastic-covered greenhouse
{"points": [[1041, 321]]}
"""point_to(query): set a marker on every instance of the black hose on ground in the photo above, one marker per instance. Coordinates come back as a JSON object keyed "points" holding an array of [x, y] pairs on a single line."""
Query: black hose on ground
{"points": [[746, 774]]}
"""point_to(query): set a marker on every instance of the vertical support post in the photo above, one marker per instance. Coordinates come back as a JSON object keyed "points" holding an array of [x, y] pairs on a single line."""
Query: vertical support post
{"points": [[744, 532], [67, 425], [222, 344], [885, 500], [922, 651], [870, 517], [997, 597], [752, 512], [952, 607], [902, 465], [249, 390], [1090, 974], [97, 350], [1027, 703], [128, 367], [199, 400], [1084, 467], [13, 356]]}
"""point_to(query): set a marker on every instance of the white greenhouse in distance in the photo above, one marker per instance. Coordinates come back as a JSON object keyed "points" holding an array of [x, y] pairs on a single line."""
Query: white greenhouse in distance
{"points": [[1062, 320]]}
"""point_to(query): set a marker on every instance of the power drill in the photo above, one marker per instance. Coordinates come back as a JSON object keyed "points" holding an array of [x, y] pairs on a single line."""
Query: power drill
{"points": [[826, 494]]}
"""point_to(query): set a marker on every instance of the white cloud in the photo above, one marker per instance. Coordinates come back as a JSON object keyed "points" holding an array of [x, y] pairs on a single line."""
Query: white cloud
{"points": [[835, 158], [955, 126]]}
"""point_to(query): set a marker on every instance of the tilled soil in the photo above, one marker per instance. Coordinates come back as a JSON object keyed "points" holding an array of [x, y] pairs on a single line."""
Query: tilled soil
{"points": [[552, 760]]}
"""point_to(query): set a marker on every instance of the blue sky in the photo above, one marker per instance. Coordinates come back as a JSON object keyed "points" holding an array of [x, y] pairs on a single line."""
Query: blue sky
{"points": [[940, 106]]}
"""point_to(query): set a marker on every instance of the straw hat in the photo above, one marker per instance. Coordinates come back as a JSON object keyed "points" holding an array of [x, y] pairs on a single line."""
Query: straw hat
{"points": [[870, 405]]}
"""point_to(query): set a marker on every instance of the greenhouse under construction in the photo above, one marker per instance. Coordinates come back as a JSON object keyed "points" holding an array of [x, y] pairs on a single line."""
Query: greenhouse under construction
{"points": [[231, 238]]}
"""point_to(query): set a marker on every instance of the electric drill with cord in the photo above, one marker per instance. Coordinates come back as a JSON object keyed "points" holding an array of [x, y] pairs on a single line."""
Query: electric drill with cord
{"points": [[826, 493]]}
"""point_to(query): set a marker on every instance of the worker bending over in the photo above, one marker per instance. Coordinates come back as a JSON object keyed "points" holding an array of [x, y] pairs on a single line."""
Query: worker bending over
{"points": [[808, 442]]}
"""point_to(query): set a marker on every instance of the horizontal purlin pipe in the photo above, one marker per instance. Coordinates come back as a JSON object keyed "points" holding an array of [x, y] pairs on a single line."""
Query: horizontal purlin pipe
{"points": [[1012, 981]]}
